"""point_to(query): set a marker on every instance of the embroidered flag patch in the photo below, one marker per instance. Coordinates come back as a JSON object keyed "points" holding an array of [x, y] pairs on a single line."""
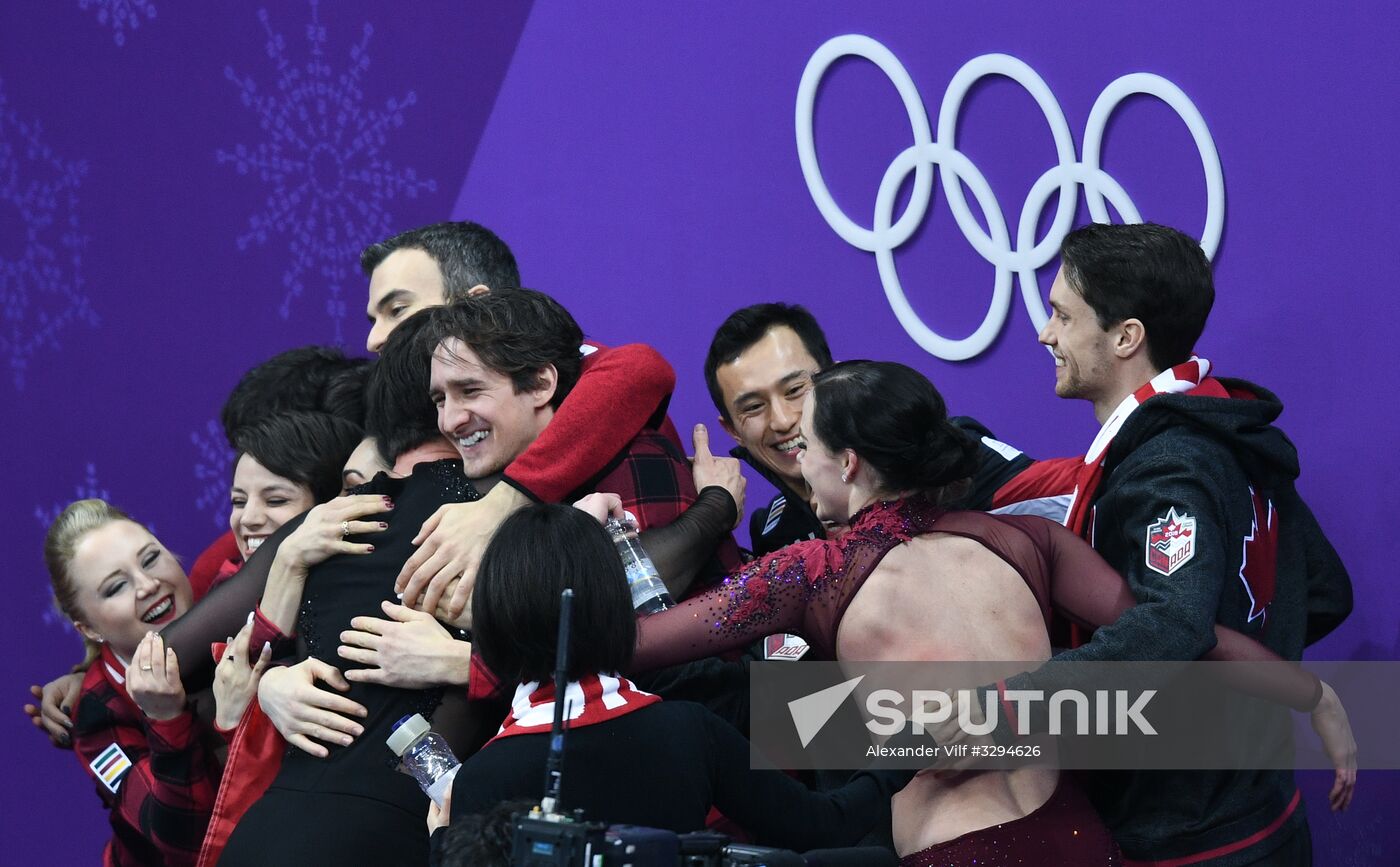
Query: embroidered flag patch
{"points": [[1171, 542], [784, 646], [110, 767]]}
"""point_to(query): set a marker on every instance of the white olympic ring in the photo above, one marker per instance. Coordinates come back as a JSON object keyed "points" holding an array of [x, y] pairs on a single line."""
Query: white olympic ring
{"points": [[994, 245]]}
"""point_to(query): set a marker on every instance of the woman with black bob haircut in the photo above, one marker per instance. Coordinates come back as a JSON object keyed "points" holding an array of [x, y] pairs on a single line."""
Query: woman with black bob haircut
{"points": [[307, 448], [531, 560], [286, 464], [630, 758]]}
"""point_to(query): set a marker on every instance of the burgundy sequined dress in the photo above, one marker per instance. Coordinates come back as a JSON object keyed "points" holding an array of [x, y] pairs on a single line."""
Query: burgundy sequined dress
{"points": [[806, 588]]}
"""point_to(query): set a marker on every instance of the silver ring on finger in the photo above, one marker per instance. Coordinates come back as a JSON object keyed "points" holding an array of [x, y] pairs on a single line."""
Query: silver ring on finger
{"points": [[344, 529]]}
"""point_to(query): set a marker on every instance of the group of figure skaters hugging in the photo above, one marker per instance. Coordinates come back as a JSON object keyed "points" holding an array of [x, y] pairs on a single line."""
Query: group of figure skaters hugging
{"points": [[401, 529]]}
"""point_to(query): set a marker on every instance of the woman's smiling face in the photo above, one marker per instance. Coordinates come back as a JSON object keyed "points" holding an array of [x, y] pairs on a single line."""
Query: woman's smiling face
{"points": [[262, 502], [127, 584]]}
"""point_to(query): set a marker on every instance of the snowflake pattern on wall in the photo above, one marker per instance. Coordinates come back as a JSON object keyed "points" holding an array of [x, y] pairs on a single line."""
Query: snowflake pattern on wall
{"points": [[213, 471], [120, 15], [41, 244], [329, 182], [88, 488]]}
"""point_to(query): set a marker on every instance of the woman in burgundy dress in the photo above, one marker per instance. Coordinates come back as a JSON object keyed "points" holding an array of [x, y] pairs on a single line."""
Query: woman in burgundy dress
{"points": [[911, 580]]}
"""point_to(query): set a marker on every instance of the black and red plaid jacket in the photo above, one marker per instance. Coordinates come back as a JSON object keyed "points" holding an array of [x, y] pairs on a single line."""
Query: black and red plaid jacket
{"points": [[161, 804], [652, 476]]}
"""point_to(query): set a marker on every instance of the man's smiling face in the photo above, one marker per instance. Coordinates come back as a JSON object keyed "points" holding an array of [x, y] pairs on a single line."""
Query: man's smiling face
{"points": [[763, 389], [1083, 357], [481, 412]]}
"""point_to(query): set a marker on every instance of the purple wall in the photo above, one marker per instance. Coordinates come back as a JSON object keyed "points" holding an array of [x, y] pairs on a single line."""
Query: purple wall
{"points": [[182, 198]]}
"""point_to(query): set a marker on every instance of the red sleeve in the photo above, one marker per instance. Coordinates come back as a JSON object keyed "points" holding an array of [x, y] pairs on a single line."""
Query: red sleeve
{"points": [[266, 632], [625, 387], [1047, 478], [154, 775], [206, 567]]}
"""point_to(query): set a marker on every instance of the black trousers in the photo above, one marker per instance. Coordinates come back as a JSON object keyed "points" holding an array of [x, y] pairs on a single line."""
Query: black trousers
{"points": [[290, 828]]}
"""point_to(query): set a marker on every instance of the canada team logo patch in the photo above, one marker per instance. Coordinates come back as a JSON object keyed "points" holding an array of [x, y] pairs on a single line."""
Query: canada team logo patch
{"points": [[783, 646], [110, 767], [1171, 542]]}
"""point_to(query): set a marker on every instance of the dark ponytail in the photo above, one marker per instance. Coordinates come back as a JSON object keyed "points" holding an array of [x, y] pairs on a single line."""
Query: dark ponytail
{"points": [[895, 420]]}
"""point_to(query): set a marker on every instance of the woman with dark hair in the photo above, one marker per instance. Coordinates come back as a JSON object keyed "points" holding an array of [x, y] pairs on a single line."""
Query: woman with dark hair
{"points": [[630, 757], [286, 464], [911, 580]]}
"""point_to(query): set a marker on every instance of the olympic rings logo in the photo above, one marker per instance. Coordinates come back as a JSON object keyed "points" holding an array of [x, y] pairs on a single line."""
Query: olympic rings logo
{"points": [[1028, 255]]}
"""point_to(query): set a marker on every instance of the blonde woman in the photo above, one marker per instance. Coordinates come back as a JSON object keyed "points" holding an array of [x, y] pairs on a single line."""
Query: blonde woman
{"points": [[133, 731]]}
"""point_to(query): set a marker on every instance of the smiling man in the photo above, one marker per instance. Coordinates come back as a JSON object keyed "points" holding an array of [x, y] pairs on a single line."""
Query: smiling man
{"points": [[451, 261], [502, 366], [758, 370], [1188, 491]]}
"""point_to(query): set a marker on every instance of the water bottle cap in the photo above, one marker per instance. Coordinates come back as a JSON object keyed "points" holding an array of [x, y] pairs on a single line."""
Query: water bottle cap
{"points": [[617, 528], [406, 731]]}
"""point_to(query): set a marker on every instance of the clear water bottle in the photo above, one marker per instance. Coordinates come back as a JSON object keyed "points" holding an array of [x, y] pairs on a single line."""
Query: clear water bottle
{"points": [[426, 756], [649, 594]]}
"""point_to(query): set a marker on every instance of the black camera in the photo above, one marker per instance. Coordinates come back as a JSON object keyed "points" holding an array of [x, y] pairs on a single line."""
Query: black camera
{"points": [[540, 839]]}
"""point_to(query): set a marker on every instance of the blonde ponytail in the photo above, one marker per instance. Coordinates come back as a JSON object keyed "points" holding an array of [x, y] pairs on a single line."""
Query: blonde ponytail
{"points": [[60, 545]]}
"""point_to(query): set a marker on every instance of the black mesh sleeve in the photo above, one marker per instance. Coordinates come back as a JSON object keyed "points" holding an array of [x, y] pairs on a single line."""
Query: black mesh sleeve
{"points": [[222, 612], [681, 548]]}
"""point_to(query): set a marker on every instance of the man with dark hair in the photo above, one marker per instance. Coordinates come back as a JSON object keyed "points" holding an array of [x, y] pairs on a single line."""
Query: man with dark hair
{"points": [[501, 365], [444, 262], [758, 370], [1117, 285], [1188, 490], [427, 266], [497, 368]]}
